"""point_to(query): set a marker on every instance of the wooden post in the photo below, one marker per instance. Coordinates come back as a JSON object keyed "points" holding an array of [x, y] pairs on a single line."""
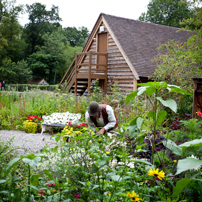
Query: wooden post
{"points": [[105, 82], [75, 87], [134, 84], [89, 71]]}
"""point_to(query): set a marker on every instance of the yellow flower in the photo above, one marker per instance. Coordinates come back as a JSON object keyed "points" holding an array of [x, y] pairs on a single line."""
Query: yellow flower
{"points": [[133, 196], [107, 152], [175, 161], [156, 173]]}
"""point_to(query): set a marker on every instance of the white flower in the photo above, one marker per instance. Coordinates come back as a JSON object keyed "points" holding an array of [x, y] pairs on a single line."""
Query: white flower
{"points": [[113, 163]]}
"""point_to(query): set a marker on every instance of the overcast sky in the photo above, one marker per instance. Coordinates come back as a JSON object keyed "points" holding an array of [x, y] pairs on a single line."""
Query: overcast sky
{"points": [[78, 13]]}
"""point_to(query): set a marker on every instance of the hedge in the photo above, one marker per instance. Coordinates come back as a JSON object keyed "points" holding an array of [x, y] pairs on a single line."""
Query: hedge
{"points": [[28, 87]]}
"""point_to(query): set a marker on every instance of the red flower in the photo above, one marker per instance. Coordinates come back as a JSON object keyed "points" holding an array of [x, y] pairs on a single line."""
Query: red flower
{"points": [[199, 114], [51, 184], [77, 195], [34, 118], [78, 126]]}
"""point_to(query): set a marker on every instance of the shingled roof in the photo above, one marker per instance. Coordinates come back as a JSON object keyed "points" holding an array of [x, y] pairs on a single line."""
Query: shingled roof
{"points": [[37, 81], [140, 40]]}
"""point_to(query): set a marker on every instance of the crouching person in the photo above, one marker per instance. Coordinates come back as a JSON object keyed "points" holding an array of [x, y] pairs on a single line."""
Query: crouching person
{"points": [[102, 116]]}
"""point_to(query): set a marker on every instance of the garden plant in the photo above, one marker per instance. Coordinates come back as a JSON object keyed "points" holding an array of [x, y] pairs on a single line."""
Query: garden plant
{"points": [[154, 155]]}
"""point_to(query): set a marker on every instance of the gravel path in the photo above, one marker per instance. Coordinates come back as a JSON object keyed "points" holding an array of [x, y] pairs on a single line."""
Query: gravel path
{"points": [[27, 143]]}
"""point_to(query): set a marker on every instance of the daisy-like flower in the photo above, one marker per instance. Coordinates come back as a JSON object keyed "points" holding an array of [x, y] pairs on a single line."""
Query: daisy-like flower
{"points": [[133, 196], [156, 173]]}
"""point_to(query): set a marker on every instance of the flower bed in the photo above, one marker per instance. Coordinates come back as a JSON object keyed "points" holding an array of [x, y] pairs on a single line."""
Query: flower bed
{"points": [[73, 130], [32, 124]]}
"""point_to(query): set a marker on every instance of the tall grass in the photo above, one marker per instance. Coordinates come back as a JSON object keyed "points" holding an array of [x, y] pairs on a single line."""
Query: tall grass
{"points": [[15, 106]]}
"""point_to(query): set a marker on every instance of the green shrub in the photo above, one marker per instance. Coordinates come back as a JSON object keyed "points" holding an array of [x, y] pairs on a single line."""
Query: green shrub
{"points": [[30, 127]]}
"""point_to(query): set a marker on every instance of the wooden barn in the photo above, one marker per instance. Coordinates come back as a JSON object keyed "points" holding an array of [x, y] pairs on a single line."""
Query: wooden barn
{"points": [[118, 50], [38, 81]]}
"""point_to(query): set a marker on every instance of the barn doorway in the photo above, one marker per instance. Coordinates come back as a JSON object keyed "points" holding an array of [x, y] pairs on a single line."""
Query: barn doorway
{"points": [[101, 47]]}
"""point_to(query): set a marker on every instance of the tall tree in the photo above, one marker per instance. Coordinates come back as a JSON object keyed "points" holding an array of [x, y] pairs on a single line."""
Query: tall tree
{"points": [[182, 62], [76, 37], [168, 12], [41, 22], [11, 45], [47, 60]]}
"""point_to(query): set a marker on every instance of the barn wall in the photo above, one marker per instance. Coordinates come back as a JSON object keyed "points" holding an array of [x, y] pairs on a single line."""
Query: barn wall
{"points": [[118, 70]]}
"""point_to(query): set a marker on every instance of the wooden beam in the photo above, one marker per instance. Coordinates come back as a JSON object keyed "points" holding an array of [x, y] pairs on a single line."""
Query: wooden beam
{"points": [[76, 66], [105, 81], [134, 84], [89, 71], [63, 78]]}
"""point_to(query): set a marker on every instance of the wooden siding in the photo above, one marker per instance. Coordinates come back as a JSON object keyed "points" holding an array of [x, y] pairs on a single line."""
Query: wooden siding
{"points": [[118, 69]]}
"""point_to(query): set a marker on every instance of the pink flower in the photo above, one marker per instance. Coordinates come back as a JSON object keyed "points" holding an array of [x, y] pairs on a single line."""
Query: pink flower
{"points": [[51, 184], [77, 195]]}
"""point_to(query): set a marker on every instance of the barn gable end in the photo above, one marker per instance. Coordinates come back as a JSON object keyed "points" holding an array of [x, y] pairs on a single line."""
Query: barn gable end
{"points": [[119, 50]]}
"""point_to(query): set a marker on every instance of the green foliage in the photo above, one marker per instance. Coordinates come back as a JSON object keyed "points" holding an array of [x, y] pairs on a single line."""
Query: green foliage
{"points": [[15, 72], [11, 45], [17, 106], [76, 37], [167, 12], [180, 64], [96, 93], [194, 23], [190, 130], [157, 115], [101, 168], [188, 164], [41, 22], [41, 49], [30, 87], [31, 127]]}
